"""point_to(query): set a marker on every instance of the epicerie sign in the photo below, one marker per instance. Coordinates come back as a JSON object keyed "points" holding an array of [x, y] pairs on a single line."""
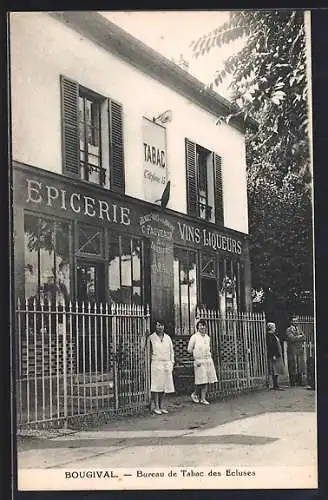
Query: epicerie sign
{"points": [[154, 160]]}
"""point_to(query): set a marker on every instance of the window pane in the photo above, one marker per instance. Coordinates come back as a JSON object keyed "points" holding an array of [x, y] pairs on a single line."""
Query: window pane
{"points": [[136, 262], [136, 298], [126, 269], [47, 260], [62, 261], [185, 291], [90, 240], [114, 282], [176, 295], [93, 139], [31, 256], [184, 309], [208, 264], [126, 295], [86, 283], [192, 289]]}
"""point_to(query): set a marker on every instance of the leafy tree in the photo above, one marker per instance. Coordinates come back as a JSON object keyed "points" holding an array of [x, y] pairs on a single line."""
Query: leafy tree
{"points": [[269, 83]]}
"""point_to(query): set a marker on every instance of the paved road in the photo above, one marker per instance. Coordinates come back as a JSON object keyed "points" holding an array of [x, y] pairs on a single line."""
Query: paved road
{"points": [[259, 430]]}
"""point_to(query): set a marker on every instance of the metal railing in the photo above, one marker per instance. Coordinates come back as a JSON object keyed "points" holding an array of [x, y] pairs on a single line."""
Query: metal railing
{"points": [[79, 359], [238, 350], [305, 357], [238, 345]]}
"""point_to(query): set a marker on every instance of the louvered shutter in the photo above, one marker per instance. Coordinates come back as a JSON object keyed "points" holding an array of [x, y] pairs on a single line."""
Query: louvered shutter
{"points": [[191, 175], [70, 126], [117, 175], [219, 219]]}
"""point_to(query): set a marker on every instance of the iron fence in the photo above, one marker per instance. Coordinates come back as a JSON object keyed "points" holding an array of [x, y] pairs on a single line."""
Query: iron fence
{"points": [[84, 359], [305, 359], [238, 344], [78, 360]]}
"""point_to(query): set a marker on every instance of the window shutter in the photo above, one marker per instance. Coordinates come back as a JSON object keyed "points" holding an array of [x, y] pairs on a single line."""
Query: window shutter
{"points": [[191, 175], [70, 126], [218, 189], [117, 175]]}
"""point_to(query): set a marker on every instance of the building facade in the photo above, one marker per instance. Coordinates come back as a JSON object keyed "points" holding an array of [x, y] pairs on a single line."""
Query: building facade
{"points": [[125, 189]]}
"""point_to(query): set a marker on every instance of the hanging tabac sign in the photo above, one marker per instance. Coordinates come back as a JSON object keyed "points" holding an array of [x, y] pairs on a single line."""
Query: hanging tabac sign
{"points": [[154, 160]]}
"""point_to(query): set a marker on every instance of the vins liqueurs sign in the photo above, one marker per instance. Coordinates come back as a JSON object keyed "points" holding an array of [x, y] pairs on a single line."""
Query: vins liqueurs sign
{"points": [[154, 160]]}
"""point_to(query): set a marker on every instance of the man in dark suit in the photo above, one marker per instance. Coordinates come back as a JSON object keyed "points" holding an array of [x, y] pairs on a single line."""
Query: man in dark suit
{"points": [[275, 358]]}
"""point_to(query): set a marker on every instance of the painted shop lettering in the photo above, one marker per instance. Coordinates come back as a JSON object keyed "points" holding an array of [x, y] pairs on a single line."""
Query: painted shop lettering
{"points": [[38, 192], [213, 240], [156, 232], [154, 155]]}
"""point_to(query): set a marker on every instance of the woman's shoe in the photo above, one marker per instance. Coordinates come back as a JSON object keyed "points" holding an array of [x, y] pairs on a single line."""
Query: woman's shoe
{"points": [[204, 402], [163, 411], [194, 398], [158, 412]]}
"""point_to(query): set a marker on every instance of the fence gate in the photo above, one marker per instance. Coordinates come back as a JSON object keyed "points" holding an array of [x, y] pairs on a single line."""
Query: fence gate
{"points": [[238, 350], [80, 359]]}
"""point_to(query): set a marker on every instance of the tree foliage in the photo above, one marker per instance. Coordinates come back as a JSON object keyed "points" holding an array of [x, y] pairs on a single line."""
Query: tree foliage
{"points": [[269, 82]]}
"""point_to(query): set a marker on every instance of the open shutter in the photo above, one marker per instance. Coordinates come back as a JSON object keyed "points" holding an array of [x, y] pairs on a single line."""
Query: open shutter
{"points": [[70, 126], [191, 175], [218, 189], [117, 175]]}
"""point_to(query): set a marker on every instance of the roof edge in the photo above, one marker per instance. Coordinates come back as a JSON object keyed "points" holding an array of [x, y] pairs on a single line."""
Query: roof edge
{"points": [[114, 39]]}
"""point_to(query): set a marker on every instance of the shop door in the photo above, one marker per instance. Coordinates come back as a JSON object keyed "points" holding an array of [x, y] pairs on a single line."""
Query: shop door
{"points": [[92, 343], [90, 282], [209, 293]]}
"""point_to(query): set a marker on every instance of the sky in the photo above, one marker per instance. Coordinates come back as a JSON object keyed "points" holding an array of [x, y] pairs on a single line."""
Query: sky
{"points": [[171, 33]]}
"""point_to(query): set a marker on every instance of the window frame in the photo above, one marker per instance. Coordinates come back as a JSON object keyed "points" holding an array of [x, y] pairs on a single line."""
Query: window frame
{"points": [[111, 137], [55, 220], [216, 213], [96, 99], [196, 262]]}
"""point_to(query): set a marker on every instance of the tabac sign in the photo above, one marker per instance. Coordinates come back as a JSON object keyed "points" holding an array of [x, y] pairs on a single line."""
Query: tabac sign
{"points": [[154, 160]]}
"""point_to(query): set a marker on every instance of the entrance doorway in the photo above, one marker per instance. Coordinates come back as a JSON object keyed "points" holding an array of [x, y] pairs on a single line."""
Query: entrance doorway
{"points": [[209, 293], [93, 336], [90, 282]]}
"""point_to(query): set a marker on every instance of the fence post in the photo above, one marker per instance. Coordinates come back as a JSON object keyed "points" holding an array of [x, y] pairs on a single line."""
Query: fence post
{"points": [[147, 354], [265, 352], [244, 325], [65, 365], [234, 330], [114, 338]]}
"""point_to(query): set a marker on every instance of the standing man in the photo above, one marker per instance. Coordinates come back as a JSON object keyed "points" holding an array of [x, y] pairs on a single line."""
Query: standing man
{"points": [[275, 358], [295, 339]]}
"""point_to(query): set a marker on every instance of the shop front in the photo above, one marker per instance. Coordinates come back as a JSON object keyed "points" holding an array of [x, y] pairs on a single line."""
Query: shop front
{"points": [[75, 241]]}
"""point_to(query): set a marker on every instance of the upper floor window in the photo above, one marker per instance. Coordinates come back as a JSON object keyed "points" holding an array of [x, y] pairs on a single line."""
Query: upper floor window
{"points": [[92, 136], [90, 139], [205, 170], [204, 183]]}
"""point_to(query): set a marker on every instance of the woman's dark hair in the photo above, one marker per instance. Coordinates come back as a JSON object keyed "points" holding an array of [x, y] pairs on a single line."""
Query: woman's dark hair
{"points": [[200, 322], [160, 321]]}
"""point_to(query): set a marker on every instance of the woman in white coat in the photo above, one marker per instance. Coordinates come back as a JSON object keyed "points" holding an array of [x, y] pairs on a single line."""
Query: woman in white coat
{"points": [[161, 368], [199, 346]]}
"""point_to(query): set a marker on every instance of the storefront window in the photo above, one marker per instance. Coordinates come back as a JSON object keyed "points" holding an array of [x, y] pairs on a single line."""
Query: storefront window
{"points": [[124, 270], [185, 291], [47, 259], [90, 240], [229, 294]]}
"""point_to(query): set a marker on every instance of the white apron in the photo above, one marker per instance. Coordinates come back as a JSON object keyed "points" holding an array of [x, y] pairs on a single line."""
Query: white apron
{"points": [[162, 361], [204, 368]]}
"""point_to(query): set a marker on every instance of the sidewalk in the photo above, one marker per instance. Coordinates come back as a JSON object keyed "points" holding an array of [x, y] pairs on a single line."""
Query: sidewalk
{"points": [[185, 415]]}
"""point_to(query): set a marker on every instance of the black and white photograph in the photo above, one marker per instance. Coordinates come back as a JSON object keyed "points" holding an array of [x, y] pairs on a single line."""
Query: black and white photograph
{"points": [[164, 329]]}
